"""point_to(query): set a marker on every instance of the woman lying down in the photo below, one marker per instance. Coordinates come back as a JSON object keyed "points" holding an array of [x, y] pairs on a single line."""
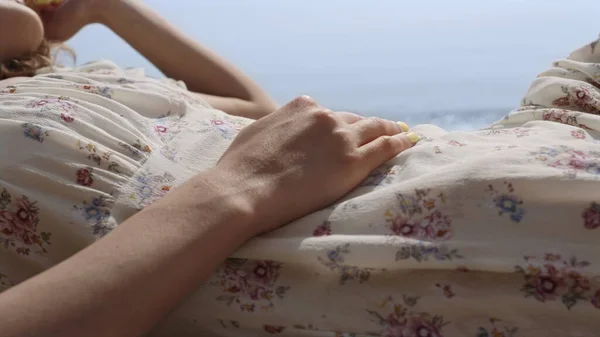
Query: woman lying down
{"points": [[485, 233]]}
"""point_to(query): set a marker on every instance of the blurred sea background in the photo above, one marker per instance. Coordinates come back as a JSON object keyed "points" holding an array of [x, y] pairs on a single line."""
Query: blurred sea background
{"points": [[460, 64]]}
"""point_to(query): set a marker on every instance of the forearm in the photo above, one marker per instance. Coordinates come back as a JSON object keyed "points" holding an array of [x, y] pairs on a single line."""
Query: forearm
{"points": [[177, 55], [124, 283], [235, 106]]}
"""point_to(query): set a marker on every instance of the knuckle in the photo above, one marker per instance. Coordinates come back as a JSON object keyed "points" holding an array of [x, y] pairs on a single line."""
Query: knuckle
{"points": [[405, 143], [387, 143], [323, 116], [377, 122], [350, 158], [304, 100], [341, 134]]}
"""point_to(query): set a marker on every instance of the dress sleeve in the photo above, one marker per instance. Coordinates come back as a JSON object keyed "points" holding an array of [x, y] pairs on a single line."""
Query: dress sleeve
{"points": [[570, 84]]}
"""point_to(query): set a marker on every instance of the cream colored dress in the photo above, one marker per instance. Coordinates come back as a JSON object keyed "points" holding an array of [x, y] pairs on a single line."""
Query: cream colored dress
{"points": [[490, 233]]}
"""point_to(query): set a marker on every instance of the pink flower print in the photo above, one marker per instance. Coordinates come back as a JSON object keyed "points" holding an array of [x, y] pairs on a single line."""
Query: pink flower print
{"points": [[437, 226], [412, 325], [547, 284], [404, 321], [395, 327], [581, 97], [498, 328], [456, 143], [553, 279], [233, 284], [578, 134], [160, 129], [576, 154], [563, 101], [403, 228], [564, 117], [421, 325], [39, 103], [572, 162], [224, 127], [419, 217], [258, 293], [265, 272], [21, 220], [591, 216], [323, 229], [272, 329], [585, 100], [582, 94], [555, 115], [25, 216], [84, 177], [247, 283], [68, 118]]}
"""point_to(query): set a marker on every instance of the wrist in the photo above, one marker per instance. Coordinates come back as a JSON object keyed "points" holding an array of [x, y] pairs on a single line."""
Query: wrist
{"points": [[216, 195], [258, 193], [101, 10]]}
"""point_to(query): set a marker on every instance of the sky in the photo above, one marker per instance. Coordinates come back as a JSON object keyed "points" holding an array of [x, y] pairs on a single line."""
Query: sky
{"points": [[460, 64]]}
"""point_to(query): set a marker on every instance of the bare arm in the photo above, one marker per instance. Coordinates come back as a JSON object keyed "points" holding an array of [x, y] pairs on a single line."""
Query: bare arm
{"points": [[182, 58], [125, 283], [171, 51], [21, 30]]}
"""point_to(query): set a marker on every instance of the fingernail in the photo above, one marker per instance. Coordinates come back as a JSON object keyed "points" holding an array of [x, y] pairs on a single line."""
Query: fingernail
{"points": [[403, 126], [413, 137]]}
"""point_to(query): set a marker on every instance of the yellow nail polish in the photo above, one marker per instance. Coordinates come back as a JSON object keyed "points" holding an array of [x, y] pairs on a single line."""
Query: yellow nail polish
{"points": [[403, 126], [46, 5], [47, 2], [413, 137]]}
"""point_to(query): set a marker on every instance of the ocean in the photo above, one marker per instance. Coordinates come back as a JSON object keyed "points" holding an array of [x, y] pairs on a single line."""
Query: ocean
{"points": [[460, 64]]}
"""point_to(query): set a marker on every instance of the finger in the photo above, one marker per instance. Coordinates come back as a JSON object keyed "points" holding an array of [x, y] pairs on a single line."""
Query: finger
{"points": [[385, 148], [372, 128], [41, 6], [349, 117]]}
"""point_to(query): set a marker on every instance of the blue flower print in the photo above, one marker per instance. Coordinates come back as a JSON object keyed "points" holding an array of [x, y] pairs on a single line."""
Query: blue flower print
{"points": [[34, 132], [512, 205]]}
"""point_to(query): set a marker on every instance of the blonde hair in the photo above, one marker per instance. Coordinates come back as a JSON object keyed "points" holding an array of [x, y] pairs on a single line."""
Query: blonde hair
{"points": [[28, 64]]}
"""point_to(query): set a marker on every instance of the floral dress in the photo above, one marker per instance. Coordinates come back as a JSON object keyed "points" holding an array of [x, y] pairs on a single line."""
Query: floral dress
{"points": [[490, 233]]}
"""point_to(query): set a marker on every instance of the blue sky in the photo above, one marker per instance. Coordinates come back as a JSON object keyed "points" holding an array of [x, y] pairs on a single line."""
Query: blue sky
{"points": [[460, 63]]}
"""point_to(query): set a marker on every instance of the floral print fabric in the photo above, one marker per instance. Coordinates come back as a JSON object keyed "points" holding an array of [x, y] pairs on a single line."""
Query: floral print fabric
{"points": [[490, 233]]}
